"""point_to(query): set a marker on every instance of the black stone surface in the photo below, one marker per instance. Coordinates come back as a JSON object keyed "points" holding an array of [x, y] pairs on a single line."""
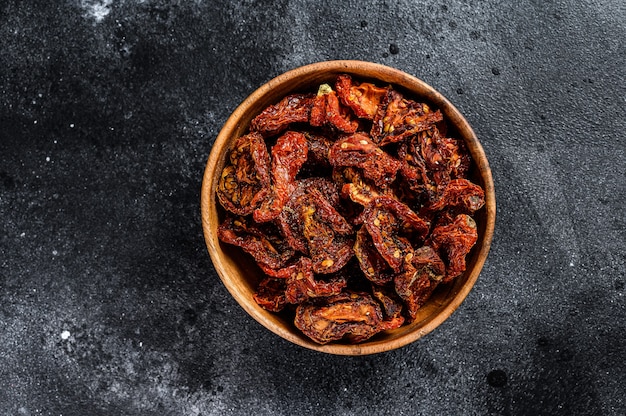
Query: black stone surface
{"points": [[109, 304]]}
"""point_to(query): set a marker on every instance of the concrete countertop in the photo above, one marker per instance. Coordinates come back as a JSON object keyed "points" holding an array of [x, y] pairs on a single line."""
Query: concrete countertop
{"points": [[109, 303]]}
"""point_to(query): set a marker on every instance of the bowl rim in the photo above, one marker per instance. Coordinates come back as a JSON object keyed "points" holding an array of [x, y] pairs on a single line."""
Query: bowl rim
{"points": [[374, 71]]}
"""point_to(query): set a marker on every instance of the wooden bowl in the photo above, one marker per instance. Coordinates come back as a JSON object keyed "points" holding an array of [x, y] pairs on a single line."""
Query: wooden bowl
{"points": [[238, 271]]}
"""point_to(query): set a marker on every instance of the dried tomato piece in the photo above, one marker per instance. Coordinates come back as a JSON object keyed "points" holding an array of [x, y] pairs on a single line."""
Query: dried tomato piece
{"points": [[430, 162], [288, 155], [461, 195], [398, 118], [419, 279], [358, 150], [390, 301], [356, 316], [302, 285], [327, 234], [244, 182], [372, 264], [356, 187], [327, 111], [282, 273], [414, 170], [295, 108], [386, 218], [444, 154], [270, 294], [454, 241], [364, 98], [317, 163], [263, 244], [290, 219], [459, 159]]}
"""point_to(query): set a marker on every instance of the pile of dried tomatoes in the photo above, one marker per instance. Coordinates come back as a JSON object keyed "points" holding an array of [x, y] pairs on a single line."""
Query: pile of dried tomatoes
{"points": [[354, 203]]}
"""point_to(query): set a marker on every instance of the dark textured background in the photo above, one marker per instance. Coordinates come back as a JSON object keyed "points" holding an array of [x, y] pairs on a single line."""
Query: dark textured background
{"points": [[109, 304]]}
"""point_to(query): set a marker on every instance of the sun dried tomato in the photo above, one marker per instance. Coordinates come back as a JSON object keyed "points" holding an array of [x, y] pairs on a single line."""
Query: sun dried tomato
{"points": [[327, 111], [372, 264], [390, 301], [262, 243], [444, 154], [327, 234], [282, 273], [419, 279], [389, 222], [288, 155], [295, 108], [302, 285], [359, 150], [270, 294], [355, 316], [290, 219], [317, 163], [461, 196], [356, 187], [245, 182], [398, 118], [429, 163], [364, 98], [414, 171], [453, 242]]}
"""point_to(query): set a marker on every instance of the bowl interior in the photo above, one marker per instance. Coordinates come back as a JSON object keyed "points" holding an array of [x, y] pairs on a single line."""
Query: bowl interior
{"points": [[240, 274]]}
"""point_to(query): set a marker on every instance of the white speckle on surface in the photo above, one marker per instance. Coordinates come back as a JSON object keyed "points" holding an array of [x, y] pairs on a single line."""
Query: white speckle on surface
{"points": [[55, 253], [47, 158], [71, 125], [65, 334], [35, 122], [96, 9], [23, 235]]}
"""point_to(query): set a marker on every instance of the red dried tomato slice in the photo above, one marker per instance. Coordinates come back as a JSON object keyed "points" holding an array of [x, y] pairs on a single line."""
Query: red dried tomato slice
{"points": [[290, 219], [327, 234], [327, 111], [282, 273], [372, 264], [453, 242], [390, 301], [317, 163], [288, 155], [270, 294], [444, 154], [419, 279], [398, 118], [295, 108], [355, 316], [459, 195], [245, 181], [263, 244], [414, 170], [364, 98], [356, 187], [302, 285], [358, 150], [386, 219]]}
